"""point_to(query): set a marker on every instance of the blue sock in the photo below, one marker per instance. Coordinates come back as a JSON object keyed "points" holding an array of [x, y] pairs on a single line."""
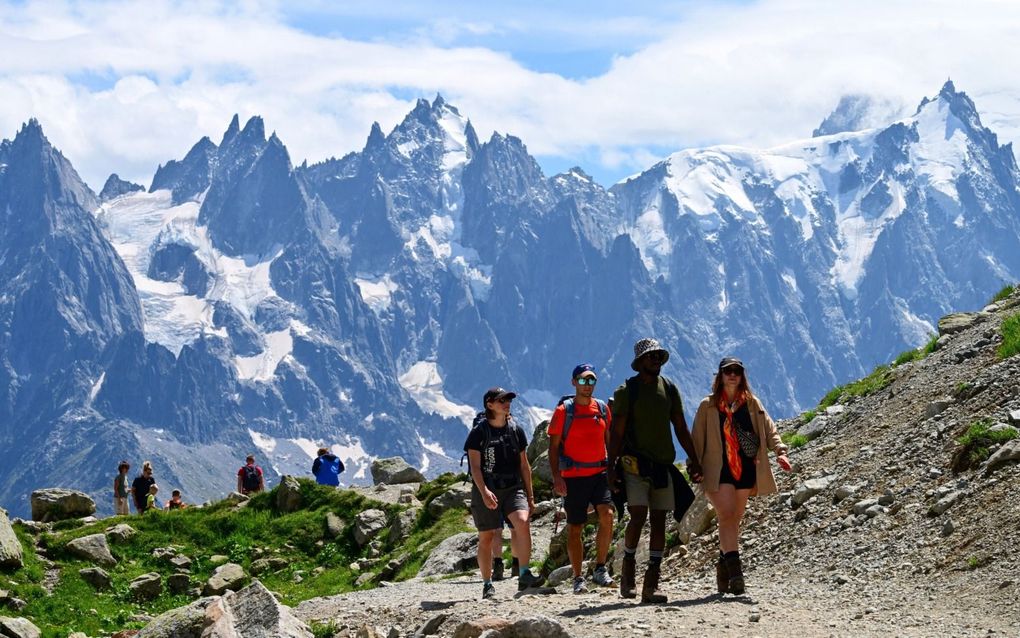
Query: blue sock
{"points": [[525, 570], [487, 581]]}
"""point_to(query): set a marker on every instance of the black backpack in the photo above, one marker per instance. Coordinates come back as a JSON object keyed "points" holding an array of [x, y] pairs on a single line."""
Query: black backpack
{"points": [[250, 481], [482, 422]]}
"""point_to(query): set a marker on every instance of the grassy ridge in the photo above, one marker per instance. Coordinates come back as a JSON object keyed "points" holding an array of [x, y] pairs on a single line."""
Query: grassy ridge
{"points": [[244, 535]]}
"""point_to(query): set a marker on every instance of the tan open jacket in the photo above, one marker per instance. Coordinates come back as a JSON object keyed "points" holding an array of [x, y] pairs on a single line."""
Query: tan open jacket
{"points": [[708, 444]]}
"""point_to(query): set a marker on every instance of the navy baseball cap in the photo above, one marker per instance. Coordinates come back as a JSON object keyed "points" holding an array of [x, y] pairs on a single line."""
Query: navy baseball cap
{"points": [[581, 369]]}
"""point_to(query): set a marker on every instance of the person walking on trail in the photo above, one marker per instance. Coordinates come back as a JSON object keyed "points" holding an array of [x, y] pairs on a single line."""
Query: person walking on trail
{"points": [[140, 486], [578, 458], [732, 436], [327, 467], [501, 486], [249, 478], [121, 490], [644, 408]]}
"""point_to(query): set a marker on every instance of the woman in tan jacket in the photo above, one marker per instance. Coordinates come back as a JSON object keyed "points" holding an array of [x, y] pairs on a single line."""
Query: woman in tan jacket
{"points": [[730, 474]]}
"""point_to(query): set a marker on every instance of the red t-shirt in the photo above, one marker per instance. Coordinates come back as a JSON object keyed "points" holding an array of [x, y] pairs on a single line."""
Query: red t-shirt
{"points": [[586, 442]]}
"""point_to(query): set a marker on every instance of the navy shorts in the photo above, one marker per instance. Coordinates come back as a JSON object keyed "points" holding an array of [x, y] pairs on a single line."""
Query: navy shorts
{"points": [[583, 491]]}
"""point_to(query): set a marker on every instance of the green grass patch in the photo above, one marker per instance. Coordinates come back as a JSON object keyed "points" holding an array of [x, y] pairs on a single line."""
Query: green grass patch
{"points": [[879, 378], [1010, 337], [1004, 293], [794, 440], [976, 442], [907, 356], [962, 389], [808, 416]]}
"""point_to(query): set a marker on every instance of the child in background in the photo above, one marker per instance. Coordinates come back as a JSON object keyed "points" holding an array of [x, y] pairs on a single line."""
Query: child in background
{"points": [[150, 500], [175, 502]]}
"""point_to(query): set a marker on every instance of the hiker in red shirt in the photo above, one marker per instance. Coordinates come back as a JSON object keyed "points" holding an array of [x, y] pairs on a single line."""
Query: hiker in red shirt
{"points": [[578, 441], [249, 478]]}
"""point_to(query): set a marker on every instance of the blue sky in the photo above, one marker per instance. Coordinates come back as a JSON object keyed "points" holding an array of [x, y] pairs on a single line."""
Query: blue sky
{"points": [[612, 87]]}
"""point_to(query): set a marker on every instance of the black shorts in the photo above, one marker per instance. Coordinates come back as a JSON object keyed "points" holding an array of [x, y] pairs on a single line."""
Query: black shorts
{"points": [[509, 500], [748, 474], [583, 491]]}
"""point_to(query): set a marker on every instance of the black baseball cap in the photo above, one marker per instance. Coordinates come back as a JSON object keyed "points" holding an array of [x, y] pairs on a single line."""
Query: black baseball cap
{"points": [[494, 394], [731, 361]]}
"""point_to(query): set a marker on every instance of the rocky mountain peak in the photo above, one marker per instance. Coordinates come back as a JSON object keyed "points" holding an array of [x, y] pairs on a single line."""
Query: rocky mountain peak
{"points": [[857, 112], [115, 187], [376, 138], [232, 130]]}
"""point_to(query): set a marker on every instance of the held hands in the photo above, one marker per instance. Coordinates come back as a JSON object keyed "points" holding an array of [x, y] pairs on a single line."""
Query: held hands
{"points": [[611, 479], [694, 471]]}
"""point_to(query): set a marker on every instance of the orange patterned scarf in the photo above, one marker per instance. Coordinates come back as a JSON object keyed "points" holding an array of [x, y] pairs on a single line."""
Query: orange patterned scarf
{"points": [[730, 433]]}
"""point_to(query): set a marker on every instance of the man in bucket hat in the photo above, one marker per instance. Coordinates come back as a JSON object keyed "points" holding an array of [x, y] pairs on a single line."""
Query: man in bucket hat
{"points": [[643, 409]]}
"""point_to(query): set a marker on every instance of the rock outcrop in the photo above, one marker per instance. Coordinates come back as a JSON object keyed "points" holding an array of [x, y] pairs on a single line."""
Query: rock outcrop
{"points": [[57, 504], [395, 470]]}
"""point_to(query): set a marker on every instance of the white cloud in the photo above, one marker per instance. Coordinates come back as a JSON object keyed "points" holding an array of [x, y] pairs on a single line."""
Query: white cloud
{"points": [[124, 86]]}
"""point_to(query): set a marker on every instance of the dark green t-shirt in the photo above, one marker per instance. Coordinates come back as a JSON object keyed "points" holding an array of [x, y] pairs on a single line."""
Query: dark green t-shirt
{"points": [[649, 431]]}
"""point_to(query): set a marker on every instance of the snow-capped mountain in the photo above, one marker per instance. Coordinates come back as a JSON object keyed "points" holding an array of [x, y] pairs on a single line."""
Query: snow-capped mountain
{"points": [[244, 304]]}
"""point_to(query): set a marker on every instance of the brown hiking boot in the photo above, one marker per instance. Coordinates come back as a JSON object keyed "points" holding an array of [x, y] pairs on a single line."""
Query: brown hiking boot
{"points": [[722, 577], [735, 573], [628, 588], [650, 588]]}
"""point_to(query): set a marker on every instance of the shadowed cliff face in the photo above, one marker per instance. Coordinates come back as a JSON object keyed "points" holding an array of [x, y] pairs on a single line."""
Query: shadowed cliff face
{"points": [[367, 302]]}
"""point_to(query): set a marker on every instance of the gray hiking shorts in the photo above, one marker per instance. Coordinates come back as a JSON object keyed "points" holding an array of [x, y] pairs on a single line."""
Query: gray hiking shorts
{"points": [[509, 500]]}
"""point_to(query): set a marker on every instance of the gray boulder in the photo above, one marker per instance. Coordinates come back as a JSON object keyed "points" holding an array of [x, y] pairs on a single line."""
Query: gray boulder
{"points": [[288, 495], [263, 565], [92, 548], [178, 583], [393, 471], [539, 443], [956, 322], [254, 611], [96, 577], [697, 520], [10, 547], [121, 533], [183, 622], [945, 503], [1008, 453], [146, 586], [18, 628], [57, 504], [229, 576], [334, 525], [538, 627], [456, 554], [814, 428], [403, 523], [806, 490], [457, 497], [368, 524]]}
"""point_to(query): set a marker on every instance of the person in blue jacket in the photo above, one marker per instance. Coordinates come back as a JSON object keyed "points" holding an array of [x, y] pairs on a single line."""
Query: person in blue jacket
{"points": [[327, 468]]}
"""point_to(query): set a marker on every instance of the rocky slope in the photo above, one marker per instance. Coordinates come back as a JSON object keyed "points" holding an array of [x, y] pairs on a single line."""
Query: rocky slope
{"points": [[873, 534]]}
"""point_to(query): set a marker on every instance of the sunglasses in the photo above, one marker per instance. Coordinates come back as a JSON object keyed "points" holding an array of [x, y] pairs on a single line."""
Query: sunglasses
{"points": [[586, 381], [504, 400], [733, 371], [656, 355]]}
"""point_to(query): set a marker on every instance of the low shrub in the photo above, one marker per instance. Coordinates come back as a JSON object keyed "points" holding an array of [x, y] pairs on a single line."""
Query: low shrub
{"points": [[976, 442], [794, 440]]}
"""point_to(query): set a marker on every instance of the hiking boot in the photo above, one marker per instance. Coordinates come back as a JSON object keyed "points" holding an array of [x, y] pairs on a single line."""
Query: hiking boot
{"points": [[735, 572], [527, 580], [722, 577], [488, 591], [602, 577], [579, 587], [515, 568], [650, 587], [497, 569], [628, 589]]}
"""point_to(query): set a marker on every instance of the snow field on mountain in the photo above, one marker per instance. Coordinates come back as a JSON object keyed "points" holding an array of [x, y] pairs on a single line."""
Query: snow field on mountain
{"points": [[138, 224]]}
